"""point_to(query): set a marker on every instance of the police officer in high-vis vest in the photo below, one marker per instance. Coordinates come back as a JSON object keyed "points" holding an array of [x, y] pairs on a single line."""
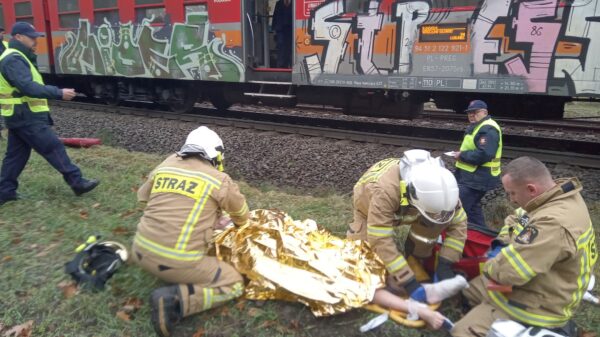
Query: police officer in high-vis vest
{"points": [[478, 162], [24, 108], [415, 190], [188, 197], [3, 47], [543, 257]]}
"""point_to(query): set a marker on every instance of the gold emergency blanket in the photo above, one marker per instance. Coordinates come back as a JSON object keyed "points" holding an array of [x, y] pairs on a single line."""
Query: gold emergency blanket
{"points": [[298, 261]]}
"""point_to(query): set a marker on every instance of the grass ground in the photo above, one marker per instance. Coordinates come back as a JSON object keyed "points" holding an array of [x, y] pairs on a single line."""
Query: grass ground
{"points": [[38, 235]]}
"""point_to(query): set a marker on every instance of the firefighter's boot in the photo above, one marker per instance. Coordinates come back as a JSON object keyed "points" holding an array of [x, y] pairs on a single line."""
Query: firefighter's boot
{"points": [[166, 309]]}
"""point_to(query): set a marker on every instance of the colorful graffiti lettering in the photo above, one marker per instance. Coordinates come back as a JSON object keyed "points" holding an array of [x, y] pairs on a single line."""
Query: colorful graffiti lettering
{"points": [[538, 46], [129, 50]]}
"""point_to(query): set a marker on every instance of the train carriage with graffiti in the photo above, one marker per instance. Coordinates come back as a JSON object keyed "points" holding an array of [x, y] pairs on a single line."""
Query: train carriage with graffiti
{"points": [[386, 57]]}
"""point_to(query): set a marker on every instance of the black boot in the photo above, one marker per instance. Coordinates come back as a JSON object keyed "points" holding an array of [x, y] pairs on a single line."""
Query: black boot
{"points": [[166, 311], [85, 186]]}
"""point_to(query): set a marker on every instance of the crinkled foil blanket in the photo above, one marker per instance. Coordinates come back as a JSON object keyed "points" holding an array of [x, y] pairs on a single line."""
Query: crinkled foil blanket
{"points": [[299, 261]]}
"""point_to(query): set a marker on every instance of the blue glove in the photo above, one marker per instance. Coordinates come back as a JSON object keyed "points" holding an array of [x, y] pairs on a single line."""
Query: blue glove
{"points": [[495, 249], [419, 295]]}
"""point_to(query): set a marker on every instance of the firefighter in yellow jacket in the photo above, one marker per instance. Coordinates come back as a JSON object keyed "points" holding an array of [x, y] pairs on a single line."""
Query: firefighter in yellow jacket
{"points": [[545, 252], [187, 196], [418, 191]]}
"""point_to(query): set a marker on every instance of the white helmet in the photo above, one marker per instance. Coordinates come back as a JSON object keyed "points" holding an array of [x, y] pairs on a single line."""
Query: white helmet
{"points": [[205, 143], [433, 191], [415, 157]]}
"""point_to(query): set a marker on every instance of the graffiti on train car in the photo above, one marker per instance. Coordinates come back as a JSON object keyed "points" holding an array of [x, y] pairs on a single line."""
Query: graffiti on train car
{"points": [[188, 51], [538, 46]]}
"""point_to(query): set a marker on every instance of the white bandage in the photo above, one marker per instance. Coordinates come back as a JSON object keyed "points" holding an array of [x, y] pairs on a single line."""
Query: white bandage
{"points": [[413, 309], [442, 290]]}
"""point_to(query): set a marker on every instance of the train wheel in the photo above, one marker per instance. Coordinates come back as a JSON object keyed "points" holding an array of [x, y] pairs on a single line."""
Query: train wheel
{"points": [[110, 94], [183, 100], [218, 100]]}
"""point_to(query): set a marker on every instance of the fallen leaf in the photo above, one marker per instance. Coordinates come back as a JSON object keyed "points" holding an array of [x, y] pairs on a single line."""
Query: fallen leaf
{"points": [[587, 334], [240, 305], [198, 333], [134, 189], [46, 250], [84, 214], [120, 231], [132, 304], [225, 311], [266, 324], [123, 315], [6, 258], [22, 330], [254, 312], [33, 246], [128, 213], [15, 241], [69, 288], [96, 205], [295, 324]]}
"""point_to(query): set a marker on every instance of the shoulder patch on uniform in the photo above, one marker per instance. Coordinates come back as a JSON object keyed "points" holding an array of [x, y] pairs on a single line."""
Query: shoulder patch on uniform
{"points": [[482, 141], [527, 235]]}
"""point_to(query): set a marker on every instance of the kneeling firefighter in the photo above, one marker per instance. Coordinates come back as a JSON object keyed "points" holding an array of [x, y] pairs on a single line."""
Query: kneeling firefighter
{"points": [[417, 191], [187, 195]]}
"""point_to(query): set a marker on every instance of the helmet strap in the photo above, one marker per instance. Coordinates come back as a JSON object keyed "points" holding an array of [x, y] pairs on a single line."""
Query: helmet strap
{"points": [[219, 161]]}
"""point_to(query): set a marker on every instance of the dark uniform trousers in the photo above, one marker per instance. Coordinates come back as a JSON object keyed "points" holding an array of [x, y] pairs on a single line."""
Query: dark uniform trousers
{"points": [[203, 284], [44, 141], [471, 202]]}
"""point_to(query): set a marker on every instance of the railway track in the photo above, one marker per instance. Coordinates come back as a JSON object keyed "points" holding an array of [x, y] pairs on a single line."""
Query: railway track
{"points": [[581, 153]]}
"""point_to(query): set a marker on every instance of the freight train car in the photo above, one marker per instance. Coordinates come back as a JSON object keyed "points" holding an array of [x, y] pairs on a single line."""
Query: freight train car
{"points": [[386, 57]]}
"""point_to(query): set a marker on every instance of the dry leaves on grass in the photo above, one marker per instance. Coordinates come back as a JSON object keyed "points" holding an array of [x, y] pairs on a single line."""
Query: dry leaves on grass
{"points": [[96, 205], [120, 231], [129, 213], [69, 288], [198, 333], [254, 312], [295, 324], [6, 258], [587, 334], [84, 214], [46, 250], [123, 316], [22, 330], [132, 304]]}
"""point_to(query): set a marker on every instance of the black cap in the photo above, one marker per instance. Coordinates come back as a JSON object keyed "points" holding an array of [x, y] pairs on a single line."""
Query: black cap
{"points": [[25, 28]]}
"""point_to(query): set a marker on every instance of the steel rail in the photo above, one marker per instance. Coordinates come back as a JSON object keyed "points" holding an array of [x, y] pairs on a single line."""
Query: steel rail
{"points": [[551, 150]]}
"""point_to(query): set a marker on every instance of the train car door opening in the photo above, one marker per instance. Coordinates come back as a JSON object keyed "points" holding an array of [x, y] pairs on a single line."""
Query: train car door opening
{"points": [[261, 47]]}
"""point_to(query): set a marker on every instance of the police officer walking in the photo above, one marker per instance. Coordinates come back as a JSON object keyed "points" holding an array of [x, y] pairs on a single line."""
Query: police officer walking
{"points": [[24, 107], [3, 47], [417, 191], [478, 163], [187, 195]]}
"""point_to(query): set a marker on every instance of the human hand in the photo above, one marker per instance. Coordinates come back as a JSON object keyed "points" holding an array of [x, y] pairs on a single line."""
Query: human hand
{"points": [[68, 94], [434, 319], [223, 222], [456, 154]]}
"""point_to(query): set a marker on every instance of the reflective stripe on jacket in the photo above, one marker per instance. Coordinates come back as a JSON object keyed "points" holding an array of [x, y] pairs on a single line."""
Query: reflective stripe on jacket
{"points": [[549, 257], [7, 99], [185, 199], [468, 144]]}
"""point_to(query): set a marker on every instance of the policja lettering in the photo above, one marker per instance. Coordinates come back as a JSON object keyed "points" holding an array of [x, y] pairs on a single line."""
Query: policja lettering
{"points": [[169, 183]]}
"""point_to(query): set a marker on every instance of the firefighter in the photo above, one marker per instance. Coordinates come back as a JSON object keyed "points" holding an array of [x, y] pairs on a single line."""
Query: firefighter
{"points": [[478, 163], [546, 253], [418, 191], [187, 196]]}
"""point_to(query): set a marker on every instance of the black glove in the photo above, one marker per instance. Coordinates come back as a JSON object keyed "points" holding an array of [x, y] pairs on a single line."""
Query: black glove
{"points": [[444, 270]]}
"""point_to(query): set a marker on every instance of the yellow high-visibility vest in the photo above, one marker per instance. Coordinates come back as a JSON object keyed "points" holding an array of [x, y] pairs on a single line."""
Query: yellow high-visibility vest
{"points": [[7, 101], [468, 144]]}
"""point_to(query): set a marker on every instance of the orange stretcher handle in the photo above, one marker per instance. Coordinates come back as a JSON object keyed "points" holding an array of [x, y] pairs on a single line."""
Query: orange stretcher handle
{"points": [[499, 287]]}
